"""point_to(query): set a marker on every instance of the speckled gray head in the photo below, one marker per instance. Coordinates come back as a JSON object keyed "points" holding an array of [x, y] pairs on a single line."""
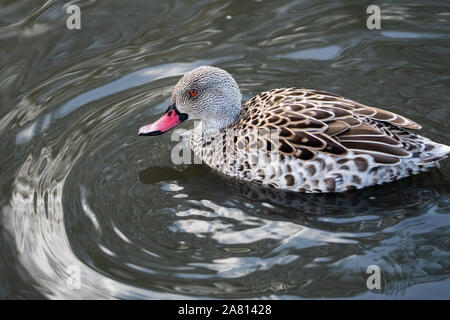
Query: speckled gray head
{"points": [[206, 93]]}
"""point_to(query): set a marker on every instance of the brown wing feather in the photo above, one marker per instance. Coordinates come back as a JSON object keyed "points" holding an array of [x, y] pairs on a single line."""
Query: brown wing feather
{"points": [[336, 127], [363, 110], [309, 122]]}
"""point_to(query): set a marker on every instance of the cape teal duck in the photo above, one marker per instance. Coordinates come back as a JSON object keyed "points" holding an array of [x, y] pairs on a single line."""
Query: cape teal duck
{"points": [[295, 139]]}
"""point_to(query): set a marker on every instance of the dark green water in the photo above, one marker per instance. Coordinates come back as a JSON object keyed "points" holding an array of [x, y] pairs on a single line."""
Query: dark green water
{"points": [[79, 188]]}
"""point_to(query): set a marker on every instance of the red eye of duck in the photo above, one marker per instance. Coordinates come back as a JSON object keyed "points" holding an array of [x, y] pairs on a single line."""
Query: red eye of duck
{"points": [[193, 92]]}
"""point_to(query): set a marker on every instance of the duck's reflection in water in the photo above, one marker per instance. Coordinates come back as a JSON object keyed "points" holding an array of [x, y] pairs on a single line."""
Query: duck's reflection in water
{"points": [[201, 183]]}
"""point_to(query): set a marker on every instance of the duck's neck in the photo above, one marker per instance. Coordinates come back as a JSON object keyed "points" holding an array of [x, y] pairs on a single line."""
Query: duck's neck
{"points": [[221, 122]]}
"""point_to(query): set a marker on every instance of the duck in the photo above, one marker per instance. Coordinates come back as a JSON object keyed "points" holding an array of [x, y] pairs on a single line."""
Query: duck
{"points": [[295, 139]]}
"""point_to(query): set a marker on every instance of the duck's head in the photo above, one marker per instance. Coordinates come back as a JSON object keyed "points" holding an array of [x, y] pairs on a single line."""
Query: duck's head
{"points": [[209, 94]]}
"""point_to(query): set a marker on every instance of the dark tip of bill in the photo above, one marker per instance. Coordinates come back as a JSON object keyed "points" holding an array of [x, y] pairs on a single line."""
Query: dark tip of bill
{"points": [[152, 133]]}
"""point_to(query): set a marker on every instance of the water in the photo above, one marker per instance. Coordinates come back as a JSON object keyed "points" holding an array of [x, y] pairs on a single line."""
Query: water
{"points": [[80, 191]]}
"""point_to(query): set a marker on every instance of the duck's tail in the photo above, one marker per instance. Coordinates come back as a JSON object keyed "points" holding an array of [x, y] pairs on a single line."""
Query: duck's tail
{"points": [[439, 152]]}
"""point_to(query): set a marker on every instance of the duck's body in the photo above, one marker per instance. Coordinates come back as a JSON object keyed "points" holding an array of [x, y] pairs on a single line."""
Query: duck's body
{"points": [[308, 141], [327, 143]]}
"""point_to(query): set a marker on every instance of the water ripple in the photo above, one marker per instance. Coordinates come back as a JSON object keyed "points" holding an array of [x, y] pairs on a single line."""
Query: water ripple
{"points": [[80, 189]]}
